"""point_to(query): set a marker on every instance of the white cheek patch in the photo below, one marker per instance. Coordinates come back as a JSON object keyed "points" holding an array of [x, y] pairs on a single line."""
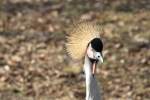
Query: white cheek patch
{"points": [[90, 52]]}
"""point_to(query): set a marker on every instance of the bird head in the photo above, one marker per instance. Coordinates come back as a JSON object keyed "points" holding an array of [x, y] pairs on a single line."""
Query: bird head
{"points": [[83, 39], [94, 52]]}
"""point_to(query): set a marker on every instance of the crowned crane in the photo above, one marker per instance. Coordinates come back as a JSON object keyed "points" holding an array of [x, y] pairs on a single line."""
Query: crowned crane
{"points": [[84, 42]]}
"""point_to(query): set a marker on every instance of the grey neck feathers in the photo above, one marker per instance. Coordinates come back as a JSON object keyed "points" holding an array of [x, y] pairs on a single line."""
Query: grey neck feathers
{"points": [[92, 89]]}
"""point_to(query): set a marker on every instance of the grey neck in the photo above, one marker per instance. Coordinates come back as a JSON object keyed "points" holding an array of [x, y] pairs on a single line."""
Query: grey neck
{"points": [[92, 89]]}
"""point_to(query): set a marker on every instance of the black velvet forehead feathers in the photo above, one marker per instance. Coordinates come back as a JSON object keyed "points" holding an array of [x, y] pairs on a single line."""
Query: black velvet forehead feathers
{"points": [[97, 44]]}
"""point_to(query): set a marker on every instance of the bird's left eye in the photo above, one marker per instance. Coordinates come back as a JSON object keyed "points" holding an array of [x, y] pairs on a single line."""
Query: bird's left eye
{"points": [[97, 55]]}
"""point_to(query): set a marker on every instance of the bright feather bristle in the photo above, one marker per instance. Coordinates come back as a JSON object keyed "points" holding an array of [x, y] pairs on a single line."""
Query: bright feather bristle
{"points": [[79, 36]]}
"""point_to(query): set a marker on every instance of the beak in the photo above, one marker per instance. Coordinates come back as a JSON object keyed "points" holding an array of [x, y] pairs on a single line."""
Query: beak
{"points": [[101, 58]]}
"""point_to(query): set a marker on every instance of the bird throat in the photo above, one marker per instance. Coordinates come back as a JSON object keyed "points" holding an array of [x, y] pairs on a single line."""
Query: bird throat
{"points": [[90, 66], [91, 84], [93, 66]]}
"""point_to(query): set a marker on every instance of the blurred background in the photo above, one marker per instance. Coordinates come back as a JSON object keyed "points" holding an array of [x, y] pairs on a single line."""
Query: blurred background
{"points": [[34, 64]]}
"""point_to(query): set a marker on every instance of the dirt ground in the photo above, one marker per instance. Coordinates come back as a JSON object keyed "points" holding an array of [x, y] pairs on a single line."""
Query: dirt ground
{"points": [[35, 66]]}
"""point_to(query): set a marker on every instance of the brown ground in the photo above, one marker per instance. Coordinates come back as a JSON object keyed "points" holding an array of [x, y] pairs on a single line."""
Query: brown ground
{"points": [[35, 66]]}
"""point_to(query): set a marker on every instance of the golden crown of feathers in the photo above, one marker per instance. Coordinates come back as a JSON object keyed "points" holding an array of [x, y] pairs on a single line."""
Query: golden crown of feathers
{"points": [[79, 36]]}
